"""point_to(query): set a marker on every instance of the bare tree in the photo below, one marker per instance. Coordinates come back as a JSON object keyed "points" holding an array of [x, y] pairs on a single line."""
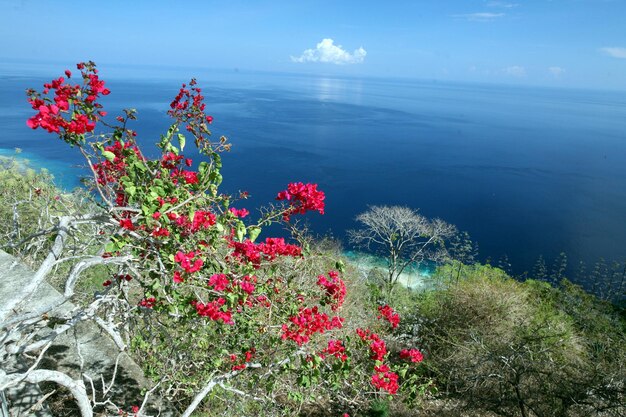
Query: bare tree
{"points": [[401, 235]]}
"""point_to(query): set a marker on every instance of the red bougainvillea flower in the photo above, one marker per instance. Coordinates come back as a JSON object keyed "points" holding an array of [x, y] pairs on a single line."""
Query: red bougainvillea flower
{"points": [[127, 224], [219, 282], [54, 113], [413, 355], [109, 171], [254, 253], [248, 355], [190, 177], [378, 348], [202, 220], [390, 315], [384, 379], [336, 349], [334, 287], [308, 322], [185, 261], [241, 213], [247, 285], [214, 310], [302, 198], [148, 302], [178, 277]]}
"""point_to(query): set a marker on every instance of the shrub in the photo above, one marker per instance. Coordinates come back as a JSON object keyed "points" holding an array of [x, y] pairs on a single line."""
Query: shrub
{"points": [[205, 303], [498, 345]]}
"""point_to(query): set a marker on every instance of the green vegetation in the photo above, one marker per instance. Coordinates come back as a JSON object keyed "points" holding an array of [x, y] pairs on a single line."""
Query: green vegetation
{"points": [[30, 205], [493, 345], [497, 346]]}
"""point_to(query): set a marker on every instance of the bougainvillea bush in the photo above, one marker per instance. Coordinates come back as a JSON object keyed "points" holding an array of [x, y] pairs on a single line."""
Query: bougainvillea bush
{"points": [[209, 304]]}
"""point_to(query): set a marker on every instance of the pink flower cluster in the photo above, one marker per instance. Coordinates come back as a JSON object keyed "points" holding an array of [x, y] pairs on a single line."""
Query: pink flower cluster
{"points": [[384, 379], [378, 347], [201, 220], [170, 160], [390, 315], [247, 357], [241, 213], [110, 171], [254, 253], [308, 322], [335, 348], [187, 98], [247, 284], [413, 355], [214, 310], [148, 302], [188, 106], [51, 113], [185, 261], [127, 224], [219, 282], [188, 177], [302, 198], [334, 287]]}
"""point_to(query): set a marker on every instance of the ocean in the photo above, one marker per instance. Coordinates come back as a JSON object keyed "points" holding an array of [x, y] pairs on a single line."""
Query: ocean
{"points": [[526, 171]]}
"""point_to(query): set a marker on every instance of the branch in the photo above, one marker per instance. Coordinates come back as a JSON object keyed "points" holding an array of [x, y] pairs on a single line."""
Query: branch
{"points": [[77, 388], [219, 380], [107, 327], [78, 268], [238, 392], [82, 315], [38, 278], [205, 391]]}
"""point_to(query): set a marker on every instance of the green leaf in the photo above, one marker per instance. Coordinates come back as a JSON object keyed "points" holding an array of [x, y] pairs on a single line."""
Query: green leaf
{"points": [[138, 165], [231, 298], [218, 160], [181, 141], [241, 231], [131, 190], [304, 380], [108, 155], [253, 233], [111, 247]]}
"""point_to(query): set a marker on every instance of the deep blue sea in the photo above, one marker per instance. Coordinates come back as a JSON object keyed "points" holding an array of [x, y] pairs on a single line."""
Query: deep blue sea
{"points": [[526, 171]]}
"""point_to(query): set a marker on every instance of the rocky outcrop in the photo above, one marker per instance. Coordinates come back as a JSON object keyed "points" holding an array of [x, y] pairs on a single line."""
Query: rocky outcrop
{"points": [[85, 350]]}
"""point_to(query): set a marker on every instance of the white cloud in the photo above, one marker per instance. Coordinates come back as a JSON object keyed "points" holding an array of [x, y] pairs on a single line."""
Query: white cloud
{"points": [[479, 17], [556, 71], [327, 51], [501, 4], [515, 71], [614, 51]]}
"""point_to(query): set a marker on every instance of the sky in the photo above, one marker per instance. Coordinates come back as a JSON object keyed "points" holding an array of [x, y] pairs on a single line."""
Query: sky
{"points": [[561, 43]]}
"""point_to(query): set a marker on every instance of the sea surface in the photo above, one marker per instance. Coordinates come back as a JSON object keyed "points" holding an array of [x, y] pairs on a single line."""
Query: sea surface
{"points": [[526, 171]]}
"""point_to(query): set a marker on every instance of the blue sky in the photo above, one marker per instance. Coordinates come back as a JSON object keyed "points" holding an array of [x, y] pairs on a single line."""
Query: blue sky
{"points": [[567, 43]]}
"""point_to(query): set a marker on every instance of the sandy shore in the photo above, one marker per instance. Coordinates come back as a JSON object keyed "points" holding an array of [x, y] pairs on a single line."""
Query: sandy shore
{"points": [[414, 278]]}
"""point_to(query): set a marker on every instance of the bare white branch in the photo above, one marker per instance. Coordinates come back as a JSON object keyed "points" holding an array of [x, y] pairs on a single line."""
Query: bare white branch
{"points": [[76, 388]]}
